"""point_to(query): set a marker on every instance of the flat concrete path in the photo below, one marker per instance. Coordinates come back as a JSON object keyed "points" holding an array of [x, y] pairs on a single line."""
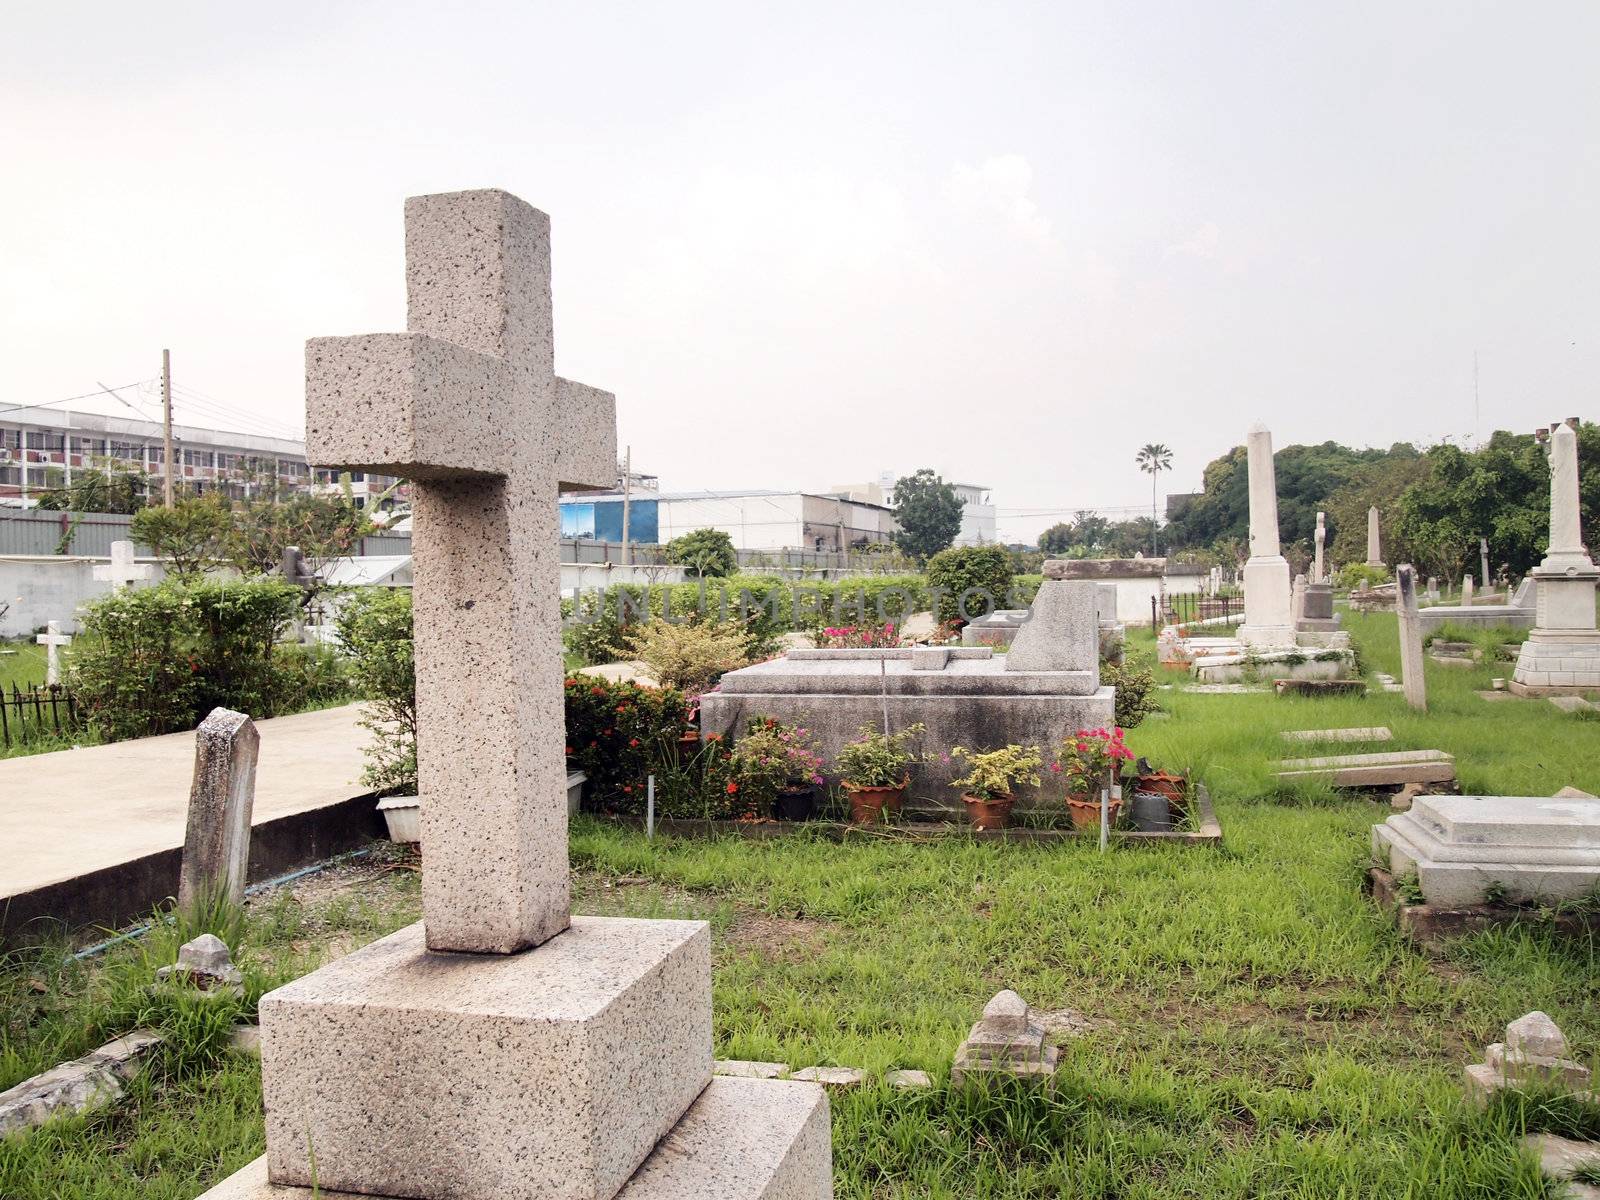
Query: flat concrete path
{"points": [[72, 812]]}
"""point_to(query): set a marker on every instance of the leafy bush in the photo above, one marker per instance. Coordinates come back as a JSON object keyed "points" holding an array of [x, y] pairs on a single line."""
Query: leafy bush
{"points": [[993, 774], [619, 733], [375, 631], [874, 760], [691, 656], [1357, 575], [156, 660], [1135, 682], [980, 574], [707, 553], [770, 756]]}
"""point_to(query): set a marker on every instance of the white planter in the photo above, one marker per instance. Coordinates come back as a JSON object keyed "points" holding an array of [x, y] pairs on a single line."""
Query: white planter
{"points": [[403, 815], [575, 782]]}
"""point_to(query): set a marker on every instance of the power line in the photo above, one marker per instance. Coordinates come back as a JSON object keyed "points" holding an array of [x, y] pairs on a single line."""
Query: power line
{"points": [[94, 395]]}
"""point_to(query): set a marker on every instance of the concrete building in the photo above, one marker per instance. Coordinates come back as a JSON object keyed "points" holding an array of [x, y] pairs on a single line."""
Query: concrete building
{"points": [[43, 447], [756, 520], [978, 526]]}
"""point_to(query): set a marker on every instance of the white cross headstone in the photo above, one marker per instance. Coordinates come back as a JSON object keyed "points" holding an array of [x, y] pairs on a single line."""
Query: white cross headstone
{"points": [[467, 406], [122, 570], [52, 639], [1319, 570]]}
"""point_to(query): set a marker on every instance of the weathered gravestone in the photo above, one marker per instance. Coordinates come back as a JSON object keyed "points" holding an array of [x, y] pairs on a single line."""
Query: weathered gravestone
{"points": [[1268, 620], [122, 570], [500, 1048], [1374, 539], [216, 842], [1411, 668]]}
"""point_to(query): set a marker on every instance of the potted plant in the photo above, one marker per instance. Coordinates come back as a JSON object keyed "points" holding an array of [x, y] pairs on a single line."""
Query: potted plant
{"points": [[779, 762], [875, 769], [1085, 762], [991, 777]]}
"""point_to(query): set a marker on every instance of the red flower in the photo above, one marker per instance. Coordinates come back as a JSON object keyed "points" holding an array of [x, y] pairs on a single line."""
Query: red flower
{"points": [[732, 787], [569, 749], [633, 742], [597, 691]]}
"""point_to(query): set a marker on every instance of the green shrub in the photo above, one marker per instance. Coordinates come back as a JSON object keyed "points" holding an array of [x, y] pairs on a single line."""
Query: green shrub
{"points": [[156, 660], [691, 655], [1355, 576], [707, 553], [1135, 682], [620, 733], [375, 631], [981, 575]]}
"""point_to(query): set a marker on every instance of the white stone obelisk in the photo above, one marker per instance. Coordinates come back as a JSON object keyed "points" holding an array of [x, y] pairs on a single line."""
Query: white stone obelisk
{"points": [[1411, 665], [1374, 539], [1562, 653], [1268, 621]]}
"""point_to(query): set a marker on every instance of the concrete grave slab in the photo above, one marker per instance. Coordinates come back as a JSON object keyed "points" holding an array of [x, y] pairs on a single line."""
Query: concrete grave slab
{"points": [[1389, 768], [1363, 733]]}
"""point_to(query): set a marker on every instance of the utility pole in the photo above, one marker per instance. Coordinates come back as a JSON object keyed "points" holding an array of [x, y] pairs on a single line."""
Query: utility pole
{"points": [[627, 495], [166, 427]]}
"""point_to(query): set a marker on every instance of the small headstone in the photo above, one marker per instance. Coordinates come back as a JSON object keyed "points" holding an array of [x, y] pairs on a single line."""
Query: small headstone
{"points": [[1466, 591], [907, 1080], [1007, 1042], [52, 639], [1534, 1054], [216, 844], [1063, 634], [122, 570], [205, 964]]}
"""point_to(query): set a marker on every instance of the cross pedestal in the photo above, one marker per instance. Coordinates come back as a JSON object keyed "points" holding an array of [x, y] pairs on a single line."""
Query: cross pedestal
{"points": [[499, 1049], [122, 570]]}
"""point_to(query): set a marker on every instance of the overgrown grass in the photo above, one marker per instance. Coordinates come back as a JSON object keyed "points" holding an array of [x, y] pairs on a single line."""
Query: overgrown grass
{"points": [[1265, 1031]]}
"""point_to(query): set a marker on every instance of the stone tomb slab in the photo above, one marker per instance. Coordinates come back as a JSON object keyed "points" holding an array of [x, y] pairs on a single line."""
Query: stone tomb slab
{"points": [[1462, 849], [1390, 768], [742, 1139], [572, 1060], [1371, 733]]}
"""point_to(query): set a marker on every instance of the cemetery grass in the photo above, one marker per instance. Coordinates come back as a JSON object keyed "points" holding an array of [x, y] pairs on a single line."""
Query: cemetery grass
{"points": [[1259, 1028]]}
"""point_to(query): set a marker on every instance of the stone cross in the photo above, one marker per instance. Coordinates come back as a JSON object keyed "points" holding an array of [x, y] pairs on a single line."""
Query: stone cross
{"points": [[467, 406], [1374, 540], [1483, 562], [1405, 606], [52, 639], [294, 568], [1319, 568], [216, 841], [122, 570]]}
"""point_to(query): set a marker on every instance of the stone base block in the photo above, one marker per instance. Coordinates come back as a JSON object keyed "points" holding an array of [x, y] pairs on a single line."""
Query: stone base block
{"points": [[1554, 664], [548, 1073], [743, 1139]]}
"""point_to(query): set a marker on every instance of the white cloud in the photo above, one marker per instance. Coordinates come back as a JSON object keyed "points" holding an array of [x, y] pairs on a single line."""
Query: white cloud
{"points": [[999, 188]]}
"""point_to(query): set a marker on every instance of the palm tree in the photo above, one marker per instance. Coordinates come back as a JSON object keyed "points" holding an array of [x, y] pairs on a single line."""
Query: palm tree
{"points": [[1153, 458]]}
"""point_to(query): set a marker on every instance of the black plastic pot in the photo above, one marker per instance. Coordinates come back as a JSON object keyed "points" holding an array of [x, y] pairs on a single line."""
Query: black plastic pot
{"points": [[795, 804], [1151, 812]]}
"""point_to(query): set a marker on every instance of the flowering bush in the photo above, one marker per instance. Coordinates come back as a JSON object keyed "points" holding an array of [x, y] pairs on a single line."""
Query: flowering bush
{"points": [[1088, 756], [851, 637], [618, 733], [691, 656], [993, 774], [770, 757], [874, 760]]}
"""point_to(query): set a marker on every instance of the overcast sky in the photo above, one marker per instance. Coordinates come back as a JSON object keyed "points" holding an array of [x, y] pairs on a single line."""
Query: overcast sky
{"points": [[807, 243]]}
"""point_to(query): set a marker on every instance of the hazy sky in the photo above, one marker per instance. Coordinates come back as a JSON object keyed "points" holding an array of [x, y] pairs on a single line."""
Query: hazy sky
{"points": [[806, 243]]}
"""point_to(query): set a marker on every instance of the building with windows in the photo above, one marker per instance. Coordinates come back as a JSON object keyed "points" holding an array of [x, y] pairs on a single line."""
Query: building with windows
{"points": [[42, 448], [977, 511], [755, 520]]}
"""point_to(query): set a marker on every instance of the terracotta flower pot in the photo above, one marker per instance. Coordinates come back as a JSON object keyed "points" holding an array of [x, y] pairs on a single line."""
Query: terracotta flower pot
{"points": [[994, 813], [1085, 812], [1174, 787], [869, 804], [689, 737]]}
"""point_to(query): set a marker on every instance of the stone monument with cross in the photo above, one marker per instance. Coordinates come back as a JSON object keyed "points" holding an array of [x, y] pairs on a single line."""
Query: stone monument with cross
{"points": [[1562, 653], [501, 1048], [122, 571], [52, 639], [1316, 613]]}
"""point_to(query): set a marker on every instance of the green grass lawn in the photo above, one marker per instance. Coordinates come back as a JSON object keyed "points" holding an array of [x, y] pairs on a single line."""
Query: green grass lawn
{"points": [[1263, 1031], [25, 664]]}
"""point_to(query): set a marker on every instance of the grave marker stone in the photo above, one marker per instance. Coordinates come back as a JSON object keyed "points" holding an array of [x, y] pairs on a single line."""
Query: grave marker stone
{"points": [[122, 570], [1374, 539], [1268, 619], [216, 841], [1411, 668], [52, 639]]}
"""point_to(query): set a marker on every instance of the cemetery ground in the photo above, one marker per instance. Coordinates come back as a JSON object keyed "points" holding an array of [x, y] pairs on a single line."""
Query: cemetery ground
{"points": [[1254, 1027]]}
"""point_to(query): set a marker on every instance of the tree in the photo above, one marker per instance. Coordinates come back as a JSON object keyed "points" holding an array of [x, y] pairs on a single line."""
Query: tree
{"points": [[707, 553], [107, 487], [189, 536], [1058, 539], [1153, 458], [928, 512]]}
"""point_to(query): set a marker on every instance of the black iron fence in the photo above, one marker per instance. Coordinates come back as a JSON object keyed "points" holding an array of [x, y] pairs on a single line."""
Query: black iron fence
{"points": [[1185, 608], [41, 711]]}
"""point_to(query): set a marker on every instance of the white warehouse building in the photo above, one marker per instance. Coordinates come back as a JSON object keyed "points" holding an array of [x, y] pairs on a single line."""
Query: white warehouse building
{"points": [[759, 520]]}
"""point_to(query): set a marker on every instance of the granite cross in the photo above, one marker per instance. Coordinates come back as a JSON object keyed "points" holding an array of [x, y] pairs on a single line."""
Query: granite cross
{"points": [[52, 639], [466, 405], [122, 570]]}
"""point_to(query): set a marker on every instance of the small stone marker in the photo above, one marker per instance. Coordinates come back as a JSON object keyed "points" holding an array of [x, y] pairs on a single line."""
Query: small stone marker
{"points": [[205, 964], [52, 639], [1562, 1158], [1466, 591], [216, 843], [1063, 632], [839, 1078], [1571, 704], [906, 1080], [295, 568], [122, 570], [1411, 676], [1007, 1041], [739, 1068], [1533, 1054], [77, 1086], [1388, 769]]}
